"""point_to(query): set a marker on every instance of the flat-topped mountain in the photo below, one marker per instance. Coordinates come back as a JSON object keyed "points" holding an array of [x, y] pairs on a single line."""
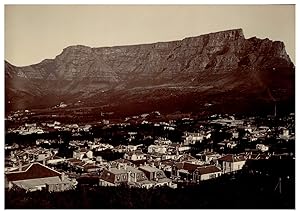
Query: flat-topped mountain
{"points": [[217, 71]]}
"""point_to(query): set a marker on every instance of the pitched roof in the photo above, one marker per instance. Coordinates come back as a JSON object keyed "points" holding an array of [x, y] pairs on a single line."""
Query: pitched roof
{"points": [[190, 167], [207, 169], [108, 176], [35, 170]]}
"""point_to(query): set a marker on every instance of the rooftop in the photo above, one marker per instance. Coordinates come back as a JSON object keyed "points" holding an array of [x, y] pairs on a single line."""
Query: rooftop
{"points": [[232, 158], [35, 170], [207, 169]]}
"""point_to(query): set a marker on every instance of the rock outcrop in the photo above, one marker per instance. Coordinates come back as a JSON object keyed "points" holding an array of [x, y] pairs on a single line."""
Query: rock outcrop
{"points": [[220, 68]]}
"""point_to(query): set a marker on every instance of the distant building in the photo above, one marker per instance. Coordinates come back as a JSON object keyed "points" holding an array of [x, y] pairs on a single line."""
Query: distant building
{"points": [[82, 153], [192, 138], [156, 175], [135, 155], [162, 149], [231, 163], [55, 160], [123, 174], [208, 156]]}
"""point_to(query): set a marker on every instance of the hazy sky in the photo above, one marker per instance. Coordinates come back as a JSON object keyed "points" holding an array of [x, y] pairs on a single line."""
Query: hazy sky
{"points": [[34, 33]]}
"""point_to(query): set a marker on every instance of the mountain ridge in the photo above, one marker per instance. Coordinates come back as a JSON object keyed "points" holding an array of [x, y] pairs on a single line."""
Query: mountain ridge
{"points": [[214, 63]]}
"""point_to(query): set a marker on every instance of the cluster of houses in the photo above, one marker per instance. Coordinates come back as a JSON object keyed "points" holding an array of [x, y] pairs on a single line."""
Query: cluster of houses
{"points": [[28, 129], [21, 157], [163, 163], [136, 169], [34, 128]]}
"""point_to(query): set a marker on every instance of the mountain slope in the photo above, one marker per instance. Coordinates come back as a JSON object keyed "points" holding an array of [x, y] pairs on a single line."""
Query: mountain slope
{"points": [[223, 69]]}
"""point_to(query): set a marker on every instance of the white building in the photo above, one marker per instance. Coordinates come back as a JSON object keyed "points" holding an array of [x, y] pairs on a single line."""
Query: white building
{"points": [[135, 155], [82, 153], [192, 138], [206, 172], [36, 176], [231, 163], [161, 149]]}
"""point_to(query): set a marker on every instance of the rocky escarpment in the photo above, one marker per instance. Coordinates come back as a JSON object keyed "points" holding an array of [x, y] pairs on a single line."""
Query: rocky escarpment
{"points": [[218, 68]]}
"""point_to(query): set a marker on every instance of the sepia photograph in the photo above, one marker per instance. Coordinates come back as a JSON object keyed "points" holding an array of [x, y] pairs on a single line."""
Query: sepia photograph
{"points": [[132, 106]]}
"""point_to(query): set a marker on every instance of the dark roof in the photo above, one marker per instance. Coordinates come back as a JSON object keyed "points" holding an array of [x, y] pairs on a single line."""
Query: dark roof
{"points": [[190, 167], [207, 169], [187, 166], [35, 170], [232, 158], [108, 176]]}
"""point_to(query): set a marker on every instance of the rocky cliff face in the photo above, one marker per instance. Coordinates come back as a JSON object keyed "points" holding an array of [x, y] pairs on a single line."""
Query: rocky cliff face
{"points": [[218, 68]]}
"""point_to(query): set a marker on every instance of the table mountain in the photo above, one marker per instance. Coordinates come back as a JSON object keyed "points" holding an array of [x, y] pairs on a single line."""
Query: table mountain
{"points": [[220, 71]]}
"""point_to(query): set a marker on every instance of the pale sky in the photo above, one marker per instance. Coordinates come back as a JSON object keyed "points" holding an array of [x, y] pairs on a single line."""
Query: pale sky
{"points": [[35, 33]]}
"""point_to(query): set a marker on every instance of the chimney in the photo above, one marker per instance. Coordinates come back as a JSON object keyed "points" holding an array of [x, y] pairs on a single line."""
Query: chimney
{"points": [[62, 176], [20, 165], [44, 162]]}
